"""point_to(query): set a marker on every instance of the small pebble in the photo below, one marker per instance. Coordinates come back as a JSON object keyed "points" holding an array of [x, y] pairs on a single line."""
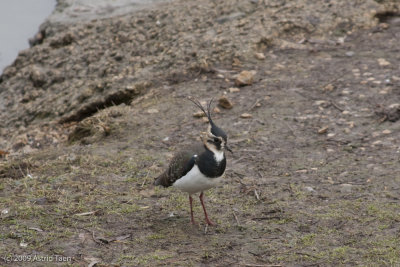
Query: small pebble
{"points": [[346, 188], [323, 130], [199, 114], [383, 62], [245, 78], [224, 102], [205, 119], [152, 111], [246, 116], [233, 90], [329, 87], [309, 189], [259, 56]]}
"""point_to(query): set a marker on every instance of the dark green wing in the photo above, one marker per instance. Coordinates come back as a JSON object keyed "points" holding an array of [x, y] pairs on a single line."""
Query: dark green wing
{"points": [[180, 165]]}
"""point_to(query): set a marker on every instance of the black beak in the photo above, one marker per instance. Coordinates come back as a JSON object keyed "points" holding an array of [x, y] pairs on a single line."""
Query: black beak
{"points": [[228, 148]]}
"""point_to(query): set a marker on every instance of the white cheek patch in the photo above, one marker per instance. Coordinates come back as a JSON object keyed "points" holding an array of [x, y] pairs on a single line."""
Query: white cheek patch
{"points": [[218, 154]]}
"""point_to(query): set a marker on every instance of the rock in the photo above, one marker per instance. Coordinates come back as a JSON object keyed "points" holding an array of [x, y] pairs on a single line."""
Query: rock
{"points": [[383, 25], [205, 119], [37, 38], [246, 116], [350, 53], [152, 111], [383, 62], [233, 90], [37, 76], [62, 40], [387, 131], [390, 113], [259, 56], [245, 78], [323, 130], [329, 87], [225, 103], [199, 114], [346, 188], [309, 189]]}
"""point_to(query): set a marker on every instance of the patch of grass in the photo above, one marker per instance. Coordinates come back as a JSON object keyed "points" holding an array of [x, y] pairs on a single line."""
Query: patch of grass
{"points": [[179, 200], [127, 259], [156, 236], [308, 239], [385, 251], [339, 253], [149, 259]]}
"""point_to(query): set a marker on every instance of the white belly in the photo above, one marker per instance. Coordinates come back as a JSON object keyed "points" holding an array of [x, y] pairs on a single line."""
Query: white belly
{"points": [[194, 181]]}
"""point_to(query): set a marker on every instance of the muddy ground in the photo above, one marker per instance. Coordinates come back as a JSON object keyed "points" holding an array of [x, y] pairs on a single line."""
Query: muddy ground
{"points": [[92, 113]]}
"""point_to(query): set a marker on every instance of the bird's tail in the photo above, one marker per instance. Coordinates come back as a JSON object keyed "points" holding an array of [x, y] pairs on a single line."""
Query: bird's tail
{"points": [[158, 180], [162, 180]]}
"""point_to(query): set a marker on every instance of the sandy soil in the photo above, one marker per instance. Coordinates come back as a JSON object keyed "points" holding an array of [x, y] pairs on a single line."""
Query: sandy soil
{"points": [[94, 111]]}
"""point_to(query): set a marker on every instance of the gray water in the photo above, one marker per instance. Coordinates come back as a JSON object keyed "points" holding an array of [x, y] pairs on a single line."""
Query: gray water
{"points": [[84, 10], [19, 21]]}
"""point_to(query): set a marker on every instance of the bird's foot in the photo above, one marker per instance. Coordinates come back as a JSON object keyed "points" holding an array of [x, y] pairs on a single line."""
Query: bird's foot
{"points": [[209, 222]]}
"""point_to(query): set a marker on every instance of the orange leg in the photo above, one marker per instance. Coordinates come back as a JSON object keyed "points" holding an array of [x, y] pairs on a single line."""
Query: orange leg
{"points": [[191, 209], [205, 211]]}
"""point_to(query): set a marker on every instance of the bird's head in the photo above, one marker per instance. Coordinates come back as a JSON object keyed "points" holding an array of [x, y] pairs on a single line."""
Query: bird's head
{"points": [[215, 138]]}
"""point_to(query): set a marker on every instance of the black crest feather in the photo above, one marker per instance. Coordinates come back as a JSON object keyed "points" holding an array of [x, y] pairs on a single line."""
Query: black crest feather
{"points": [[200, 106], [215, 130]]}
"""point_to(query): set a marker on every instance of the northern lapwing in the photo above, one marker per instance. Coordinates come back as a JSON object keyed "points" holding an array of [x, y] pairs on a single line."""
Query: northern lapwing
{"points": [[200, 166]]}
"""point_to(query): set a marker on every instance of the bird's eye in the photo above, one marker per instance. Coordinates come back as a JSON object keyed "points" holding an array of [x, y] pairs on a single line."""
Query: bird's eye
{"points": [[217, 140]]}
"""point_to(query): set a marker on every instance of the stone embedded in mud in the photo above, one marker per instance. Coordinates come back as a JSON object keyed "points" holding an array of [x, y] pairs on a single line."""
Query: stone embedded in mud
{"points": [[383, 62], [245, 78], [329, 87], [62, 40], [224, 102], [309, 189], [199, 114], [152, 110], [234, 90], [37, 76], [323, 130], [346, 188], [259, 56], [246, 116]]}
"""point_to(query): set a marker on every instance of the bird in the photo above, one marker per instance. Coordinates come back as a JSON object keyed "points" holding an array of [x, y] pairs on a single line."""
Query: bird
{"points": [[200, 166]]}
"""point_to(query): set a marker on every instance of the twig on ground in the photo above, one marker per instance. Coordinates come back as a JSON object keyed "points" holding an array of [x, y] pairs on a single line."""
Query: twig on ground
{"points": [[336, 106], [236, 219]]}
